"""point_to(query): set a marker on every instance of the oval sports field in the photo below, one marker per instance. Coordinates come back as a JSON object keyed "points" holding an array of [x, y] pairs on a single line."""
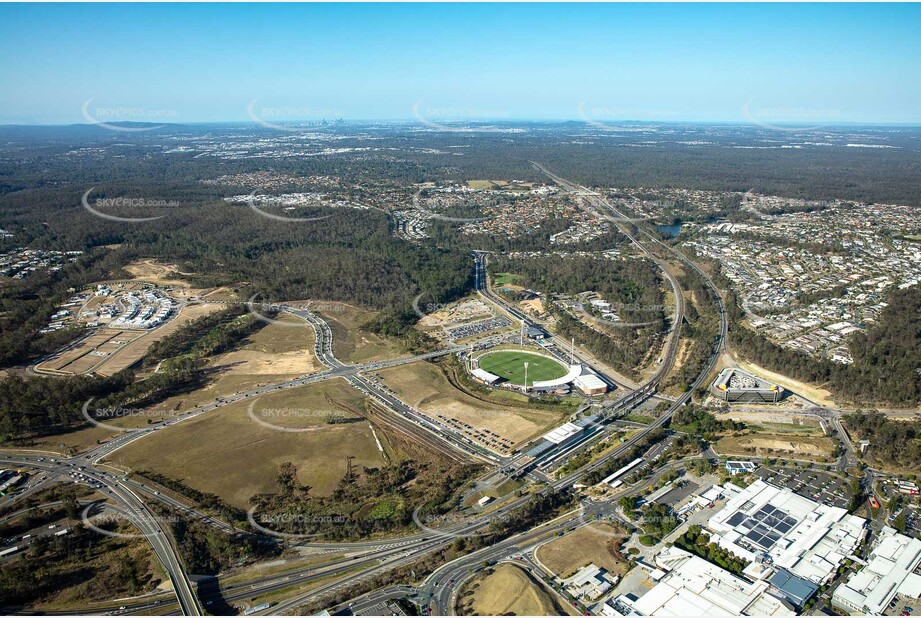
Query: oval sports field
{"points": [[509, 364]]}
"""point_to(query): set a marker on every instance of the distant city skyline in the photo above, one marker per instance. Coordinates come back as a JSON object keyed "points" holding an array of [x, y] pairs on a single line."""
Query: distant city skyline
{"points": [[783, 64]]}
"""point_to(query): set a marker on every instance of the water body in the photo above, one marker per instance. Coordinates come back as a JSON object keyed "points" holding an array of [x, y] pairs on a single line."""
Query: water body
{"points": [[670, 230]]}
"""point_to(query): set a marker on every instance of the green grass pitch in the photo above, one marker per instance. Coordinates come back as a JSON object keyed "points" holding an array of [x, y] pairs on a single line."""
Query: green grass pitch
{"points": [[509, 364]]}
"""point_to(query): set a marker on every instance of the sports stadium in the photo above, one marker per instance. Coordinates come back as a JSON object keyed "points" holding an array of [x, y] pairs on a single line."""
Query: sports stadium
{"points": [[543, 372]]}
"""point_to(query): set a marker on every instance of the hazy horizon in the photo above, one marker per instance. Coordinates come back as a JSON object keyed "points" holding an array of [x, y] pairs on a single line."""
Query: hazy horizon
{"points": [[191, 63]]}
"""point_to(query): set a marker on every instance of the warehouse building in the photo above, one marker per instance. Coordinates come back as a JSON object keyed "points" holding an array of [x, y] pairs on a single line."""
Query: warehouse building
{"points": [[590, 384], [691, 586], [775, 528], [888, 573]]}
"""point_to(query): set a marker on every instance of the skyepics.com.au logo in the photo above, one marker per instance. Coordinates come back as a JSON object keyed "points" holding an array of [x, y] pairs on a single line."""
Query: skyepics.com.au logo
{"points": [[455, 119], [105, 415], [141, 205], [457, 525], [269, 523], [287, 418], [604, 524], [266, 312], [301, 315], [616, 118], [292, 118], [424, 308], [789, 119], [107, 116], [269, 200], [110, 521]]}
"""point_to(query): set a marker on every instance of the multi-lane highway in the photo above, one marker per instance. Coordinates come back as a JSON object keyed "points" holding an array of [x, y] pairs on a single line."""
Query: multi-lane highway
{"points": [[394, 552], [148, 524], [439, 588]]}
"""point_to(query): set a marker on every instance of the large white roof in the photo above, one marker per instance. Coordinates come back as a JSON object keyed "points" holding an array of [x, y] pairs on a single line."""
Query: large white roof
{"points": [[485, 375], [572, 374], [807, 538], [889, 570], [563, 432], [696, 587]]}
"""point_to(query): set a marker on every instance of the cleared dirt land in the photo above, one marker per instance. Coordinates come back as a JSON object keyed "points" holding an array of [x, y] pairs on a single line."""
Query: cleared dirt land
{"points": [[276, 352], [108, 351], [589, 544], [156, 272], [423, 386], [350, 343], [231, 454], [775, 422], [774, 445], [273, 354], [507, 591], [815, 393], [92, 351]]}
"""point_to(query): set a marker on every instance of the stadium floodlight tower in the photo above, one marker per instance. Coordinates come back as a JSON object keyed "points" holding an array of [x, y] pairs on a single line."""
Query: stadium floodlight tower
{"points": [[526, 376]]}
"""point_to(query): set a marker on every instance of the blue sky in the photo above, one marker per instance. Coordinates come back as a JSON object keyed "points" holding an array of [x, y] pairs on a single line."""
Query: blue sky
{"points": [[806, 63]]}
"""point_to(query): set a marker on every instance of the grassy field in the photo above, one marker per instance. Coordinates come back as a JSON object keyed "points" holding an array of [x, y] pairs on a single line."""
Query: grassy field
{"points": [[229, 453], [507, 591], [500, 279], [504, 185], [350, 343], [776, 423], [509, 364], [274, 353], [639, 418], [108, 351], [566, 555], [773, 445], [424, 386]]}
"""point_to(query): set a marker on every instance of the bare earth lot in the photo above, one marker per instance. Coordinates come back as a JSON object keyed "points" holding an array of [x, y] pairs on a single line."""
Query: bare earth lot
{"points": [[108, 351], [350, 343], [156, 272], [423, 386], [276, 352], [230, 454], [588, 544], [251, 365], [774, 445], [507, 591]]}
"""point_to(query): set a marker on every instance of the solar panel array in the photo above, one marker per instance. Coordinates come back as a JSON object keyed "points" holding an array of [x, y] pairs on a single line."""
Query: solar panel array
{"points": [[764, 527]]}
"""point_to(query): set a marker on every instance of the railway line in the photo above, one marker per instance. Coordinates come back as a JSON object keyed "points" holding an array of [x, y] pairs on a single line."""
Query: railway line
{"points": [[412, 547]]}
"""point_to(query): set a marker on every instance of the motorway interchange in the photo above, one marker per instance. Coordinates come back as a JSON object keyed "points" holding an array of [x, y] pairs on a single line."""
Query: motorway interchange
{"points": [[362, 560]]}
